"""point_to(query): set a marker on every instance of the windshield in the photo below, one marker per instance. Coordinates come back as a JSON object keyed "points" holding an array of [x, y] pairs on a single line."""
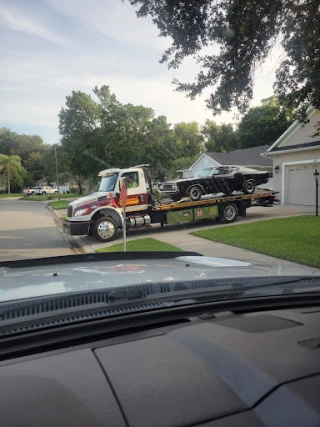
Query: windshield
{"points": [[219, 156], [204, 172], [108, 183]]}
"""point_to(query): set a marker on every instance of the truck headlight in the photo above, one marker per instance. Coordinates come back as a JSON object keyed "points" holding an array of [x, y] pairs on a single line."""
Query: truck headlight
{"points": [[81, 212]]}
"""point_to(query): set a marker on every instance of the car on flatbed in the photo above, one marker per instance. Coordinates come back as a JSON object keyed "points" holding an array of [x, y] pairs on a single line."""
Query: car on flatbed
{"points": [[102, 213], [214, 180]]}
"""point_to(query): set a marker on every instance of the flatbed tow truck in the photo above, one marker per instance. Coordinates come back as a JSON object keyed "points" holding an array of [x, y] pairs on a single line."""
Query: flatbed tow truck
{"points": [[101, 214]]}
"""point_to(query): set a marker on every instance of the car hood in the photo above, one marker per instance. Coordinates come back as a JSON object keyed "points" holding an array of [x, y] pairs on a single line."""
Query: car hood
{"points": [[18, 281]]}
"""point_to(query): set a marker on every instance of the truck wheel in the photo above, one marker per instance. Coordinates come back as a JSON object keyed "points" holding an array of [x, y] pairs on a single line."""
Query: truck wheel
{"points": [[44, 193], [105, 229], [195, 193], [55, 192], [249, 187], [228, 212]]}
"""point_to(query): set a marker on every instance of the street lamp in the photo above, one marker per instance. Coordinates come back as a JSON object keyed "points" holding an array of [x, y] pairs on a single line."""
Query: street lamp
{"points": [[316, 175], [55, 152]]}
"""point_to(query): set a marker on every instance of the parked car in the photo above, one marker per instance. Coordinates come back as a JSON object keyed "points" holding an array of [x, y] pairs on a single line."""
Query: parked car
{"points": [[29, 191], [45, 190], [221, 179]]}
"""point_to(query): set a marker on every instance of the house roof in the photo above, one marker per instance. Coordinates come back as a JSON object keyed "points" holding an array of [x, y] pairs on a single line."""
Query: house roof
{"points": [[291, 129], [245, 156], [297, 146]]}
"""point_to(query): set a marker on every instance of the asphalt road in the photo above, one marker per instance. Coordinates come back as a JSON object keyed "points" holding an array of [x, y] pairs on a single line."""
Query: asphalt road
{"points": [[28, 230]]}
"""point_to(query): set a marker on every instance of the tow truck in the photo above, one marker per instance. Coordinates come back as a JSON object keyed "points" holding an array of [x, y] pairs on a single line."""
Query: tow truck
{"points": [[101, 214]]}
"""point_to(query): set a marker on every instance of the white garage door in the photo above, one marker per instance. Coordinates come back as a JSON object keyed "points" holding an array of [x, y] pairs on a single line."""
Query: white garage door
{"points": [[300, 184]]}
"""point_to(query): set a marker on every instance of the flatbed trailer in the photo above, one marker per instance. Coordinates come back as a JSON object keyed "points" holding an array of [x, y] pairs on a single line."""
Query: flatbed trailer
{"points": [[101, 214]]}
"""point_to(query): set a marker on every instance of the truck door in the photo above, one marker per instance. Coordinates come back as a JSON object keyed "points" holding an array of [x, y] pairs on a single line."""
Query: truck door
{"points": [[136, 189]]}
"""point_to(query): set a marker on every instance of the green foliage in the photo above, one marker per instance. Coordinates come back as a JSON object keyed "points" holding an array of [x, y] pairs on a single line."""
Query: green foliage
{"points": [[188, 139], [264, 124], [241, 34], [219, 138], [13, 173]]}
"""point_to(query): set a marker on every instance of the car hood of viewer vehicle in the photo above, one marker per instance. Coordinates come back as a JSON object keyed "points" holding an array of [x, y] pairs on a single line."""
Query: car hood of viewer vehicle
{"points": [[61, 278]]}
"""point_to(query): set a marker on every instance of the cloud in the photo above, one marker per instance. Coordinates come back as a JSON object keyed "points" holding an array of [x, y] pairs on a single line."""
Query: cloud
{"points": [[15, 20], [114, 19]]}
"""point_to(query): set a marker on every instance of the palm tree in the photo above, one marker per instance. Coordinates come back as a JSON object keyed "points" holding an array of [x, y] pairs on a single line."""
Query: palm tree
{"points": [[12, 170]]}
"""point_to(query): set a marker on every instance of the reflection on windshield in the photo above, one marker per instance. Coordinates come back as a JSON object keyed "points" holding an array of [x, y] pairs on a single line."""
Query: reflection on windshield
{"points": [[204, 172], [108, 183]]}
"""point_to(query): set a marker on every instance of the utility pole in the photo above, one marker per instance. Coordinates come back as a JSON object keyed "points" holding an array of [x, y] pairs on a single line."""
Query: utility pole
{"points": [[55, 151]]}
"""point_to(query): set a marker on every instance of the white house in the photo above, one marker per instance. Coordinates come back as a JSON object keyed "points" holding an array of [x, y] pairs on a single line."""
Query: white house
{"points": [[296, 156]]}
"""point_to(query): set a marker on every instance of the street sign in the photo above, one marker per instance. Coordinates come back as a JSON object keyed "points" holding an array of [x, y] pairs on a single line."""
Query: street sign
{"points": [[123, 193]]}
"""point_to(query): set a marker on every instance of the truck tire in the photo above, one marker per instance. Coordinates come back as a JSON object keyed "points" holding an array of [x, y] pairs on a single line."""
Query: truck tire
{"points": [[195, 193], [249, 187], [55, 192], [43, 193], [228, 212], [105, 229]]}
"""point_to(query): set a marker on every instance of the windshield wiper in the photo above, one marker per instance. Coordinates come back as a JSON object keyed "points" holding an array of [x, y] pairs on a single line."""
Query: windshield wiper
{"points": [[168, 293]]}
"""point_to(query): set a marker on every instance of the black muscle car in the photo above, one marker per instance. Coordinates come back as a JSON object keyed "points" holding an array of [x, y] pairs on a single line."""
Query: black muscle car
{"points": [[220, 179]]}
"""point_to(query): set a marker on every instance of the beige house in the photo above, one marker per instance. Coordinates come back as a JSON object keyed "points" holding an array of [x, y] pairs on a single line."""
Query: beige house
{"points": [[296, 156]]}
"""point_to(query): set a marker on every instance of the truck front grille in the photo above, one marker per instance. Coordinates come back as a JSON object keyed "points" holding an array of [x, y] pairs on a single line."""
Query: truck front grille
{"points": [[69, 211]]}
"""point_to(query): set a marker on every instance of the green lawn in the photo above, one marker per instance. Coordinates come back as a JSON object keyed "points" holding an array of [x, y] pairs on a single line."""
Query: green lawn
{"points": [[294, 239], [62, 204], [4, 195], [40, 198], [142, 245]]}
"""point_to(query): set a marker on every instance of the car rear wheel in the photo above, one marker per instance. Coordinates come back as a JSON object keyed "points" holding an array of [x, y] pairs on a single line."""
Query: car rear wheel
{"points": [[105, 229], [249, 187], [195, 193], [228, 212]]}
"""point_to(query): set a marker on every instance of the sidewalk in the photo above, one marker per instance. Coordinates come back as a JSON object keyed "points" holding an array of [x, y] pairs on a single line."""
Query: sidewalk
{"points": [[180, 236]]}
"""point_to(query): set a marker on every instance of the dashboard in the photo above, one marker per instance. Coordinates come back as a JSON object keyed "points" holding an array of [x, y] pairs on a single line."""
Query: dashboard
{"points": [[213, 370]]}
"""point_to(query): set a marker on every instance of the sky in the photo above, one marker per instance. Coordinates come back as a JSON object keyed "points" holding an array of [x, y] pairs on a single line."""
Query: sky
{"points": [[50, 47]]}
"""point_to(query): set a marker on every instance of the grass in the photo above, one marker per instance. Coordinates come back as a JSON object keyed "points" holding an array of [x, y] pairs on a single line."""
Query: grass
{"points": [[4, 195], [62, 204], [294, 239], [40, 198], [142, 245]]}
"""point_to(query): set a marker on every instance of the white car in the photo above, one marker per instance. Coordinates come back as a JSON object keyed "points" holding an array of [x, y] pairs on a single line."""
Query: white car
{"points": [[45, 190], [29, 191]]}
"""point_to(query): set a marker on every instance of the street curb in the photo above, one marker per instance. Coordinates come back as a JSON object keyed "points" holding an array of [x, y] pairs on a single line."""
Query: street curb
{"points": [[71, 241]]}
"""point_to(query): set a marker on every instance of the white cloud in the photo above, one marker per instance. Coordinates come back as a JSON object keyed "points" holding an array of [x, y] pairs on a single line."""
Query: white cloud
{"points": [[112, 18], [15, 20]]}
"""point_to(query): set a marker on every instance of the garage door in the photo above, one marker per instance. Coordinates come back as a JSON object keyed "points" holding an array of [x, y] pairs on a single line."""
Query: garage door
{"points": [[300, 184]]}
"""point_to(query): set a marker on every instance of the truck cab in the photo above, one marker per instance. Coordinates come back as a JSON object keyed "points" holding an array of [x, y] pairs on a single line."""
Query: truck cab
{"points": [[101, 213]]}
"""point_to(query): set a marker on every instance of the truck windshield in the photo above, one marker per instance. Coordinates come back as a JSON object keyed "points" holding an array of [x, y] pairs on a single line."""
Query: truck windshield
{"points": [[108, 182]]}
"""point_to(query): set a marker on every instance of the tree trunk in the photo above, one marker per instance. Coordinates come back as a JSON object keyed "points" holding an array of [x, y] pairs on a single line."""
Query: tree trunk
{"points": [[80, 187]]}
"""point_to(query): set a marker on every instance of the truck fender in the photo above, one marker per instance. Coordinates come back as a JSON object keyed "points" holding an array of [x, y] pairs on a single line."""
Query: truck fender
{"points": [[111, 212]]}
